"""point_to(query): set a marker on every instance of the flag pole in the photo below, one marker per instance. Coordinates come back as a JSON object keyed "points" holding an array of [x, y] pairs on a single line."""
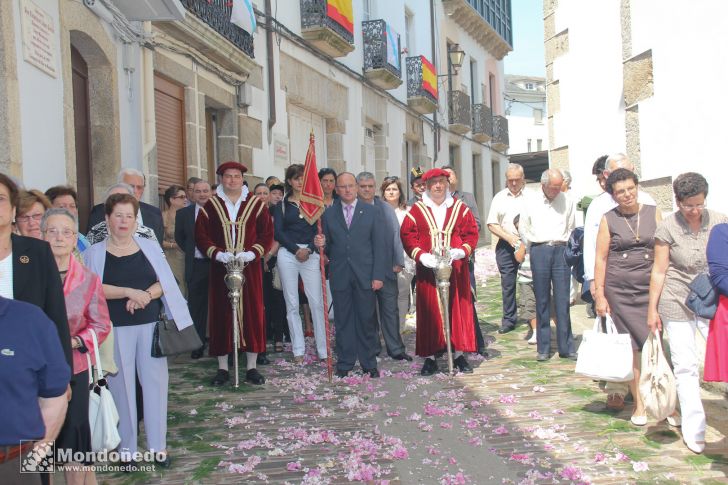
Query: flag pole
{"points": [[329, 364], [312, 207]]}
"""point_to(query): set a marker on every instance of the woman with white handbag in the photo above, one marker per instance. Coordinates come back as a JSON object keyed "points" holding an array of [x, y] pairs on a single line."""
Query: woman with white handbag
{"points": [[680, 256], [87, 313], [624, 256]]}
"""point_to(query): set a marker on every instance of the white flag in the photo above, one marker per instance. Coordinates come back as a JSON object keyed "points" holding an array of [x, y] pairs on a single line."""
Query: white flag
{"points": [[243, 15]]}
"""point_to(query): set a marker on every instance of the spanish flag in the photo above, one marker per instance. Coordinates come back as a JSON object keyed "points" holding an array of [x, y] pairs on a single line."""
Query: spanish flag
{"points": [[429, 78], [341, 12]]}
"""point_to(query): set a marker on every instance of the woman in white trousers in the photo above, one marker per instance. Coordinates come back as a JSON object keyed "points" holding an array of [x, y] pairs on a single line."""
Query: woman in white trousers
{"points": [[297, 257], [680, 243]]}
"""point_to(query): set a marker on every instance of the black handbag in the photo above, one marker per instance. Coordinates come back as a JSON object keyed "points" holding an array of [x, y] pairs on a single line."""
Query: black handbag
{"points": [[168, 340], [703, 297]]}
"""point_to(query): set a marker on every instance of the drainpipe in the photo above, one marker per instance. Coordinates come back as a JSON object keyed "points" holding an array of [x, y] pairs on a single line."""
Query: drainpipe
{"points": [[269, 60], [436, 125]]}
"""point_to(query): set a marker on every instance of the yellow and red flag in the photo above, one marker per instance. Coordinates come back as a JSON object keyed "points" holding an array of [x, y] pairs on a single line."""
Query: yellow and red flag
{"points": [[429, 77], [341, 12], [312, 195]]}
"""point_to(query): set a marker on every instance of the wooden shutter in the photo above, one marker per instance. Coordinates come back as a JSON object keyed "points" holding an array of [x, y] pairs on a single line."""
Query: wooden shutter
{"points": [[169, 111]]}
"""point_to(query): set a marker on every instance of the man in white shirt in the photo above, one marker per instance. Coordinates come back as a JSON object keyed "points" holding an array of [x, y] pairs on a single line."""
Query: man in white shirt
{"points": [[546, 223], [504, 208], [598, 207]]}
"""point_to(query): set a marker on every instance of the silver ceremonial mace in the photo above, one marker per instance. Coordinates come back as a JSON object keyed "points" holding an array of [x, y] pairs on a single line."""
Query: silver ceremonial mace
{"points": [[234, 280], [443, 270]]}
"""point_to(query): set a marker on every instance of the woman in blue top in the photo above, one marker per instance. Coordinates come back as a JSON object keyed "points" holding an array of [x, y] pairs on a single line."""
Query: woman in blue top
{"points": [[297, 256]]}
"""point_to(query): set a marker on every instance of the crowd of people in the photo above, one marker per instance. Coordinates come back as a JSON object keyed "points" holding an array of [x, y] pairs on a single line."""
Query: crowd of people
{"points": [[369, 266]]}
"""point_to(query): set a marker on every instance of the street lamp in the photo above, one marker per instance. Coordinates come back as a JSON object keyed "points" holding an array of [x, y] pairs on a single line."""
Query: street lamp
{"points": [[456, 56]]}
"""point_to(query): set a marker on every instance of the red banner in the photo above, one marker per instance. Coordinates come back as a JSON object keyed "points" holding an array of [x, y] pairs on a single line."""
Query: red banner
{"points": [[312, 195]]}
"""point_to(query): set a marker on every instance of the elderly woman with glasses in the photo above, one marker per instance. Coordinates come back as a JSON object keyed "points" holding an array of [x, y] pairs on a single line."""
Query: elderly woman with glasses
{"points": [[32, 204], [680, 256], [66, 197], [87, 311]]}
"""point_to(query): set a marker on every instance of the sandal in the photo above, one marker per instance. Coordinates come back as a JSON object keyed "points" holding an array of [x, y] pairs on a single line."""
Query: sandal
{"points": [[279, 347]]}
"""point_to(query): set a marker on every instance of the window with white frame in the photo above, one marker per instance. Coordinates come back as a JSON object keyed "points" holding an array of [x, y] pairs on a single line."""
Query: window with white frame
{"points": [[528, 145], [368, 13], [529, 86], [539, 144], [409, 31], [538, 116]]}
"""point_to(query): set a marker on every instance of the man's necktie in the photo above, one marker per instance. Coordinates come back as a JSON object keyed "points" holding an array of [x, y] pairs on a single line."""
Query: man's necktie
{"points": [[349, 210]]}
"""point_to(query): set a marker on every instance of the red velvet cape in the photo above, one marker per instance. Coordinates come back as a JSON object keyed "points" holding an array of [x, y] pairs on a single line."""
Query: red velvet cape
{"points": [[257, 236], [460, 230]]}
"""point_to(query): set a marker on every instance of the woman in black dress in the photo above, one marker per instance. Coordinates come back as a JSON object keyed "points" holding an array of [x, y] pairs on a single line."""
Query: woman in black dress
{"points": [[624, 258]]}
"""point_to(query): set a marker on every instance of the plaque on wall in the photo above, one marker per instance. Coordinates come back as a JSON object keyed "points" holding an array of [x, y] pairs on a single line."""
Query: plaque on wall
{"points": [[280, 149], [39, 37]]}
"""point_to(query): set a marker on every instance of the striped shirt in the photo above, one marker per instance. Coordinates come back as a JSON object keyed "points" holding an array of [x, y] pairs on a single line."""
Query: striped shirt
{"points": [[687, 260]]}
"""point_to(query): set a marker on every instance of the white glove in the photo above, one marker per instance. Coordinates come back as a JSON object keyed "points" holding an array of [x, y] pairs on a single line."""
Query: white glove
{"points": [[428, 260], [457, 253], [246, 256], [224, 258]]}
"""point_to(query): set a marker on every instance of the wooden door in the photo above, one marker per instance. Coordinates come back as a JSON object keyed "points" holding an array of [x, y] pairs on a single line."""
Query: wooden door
{"points": [[82, 137]]}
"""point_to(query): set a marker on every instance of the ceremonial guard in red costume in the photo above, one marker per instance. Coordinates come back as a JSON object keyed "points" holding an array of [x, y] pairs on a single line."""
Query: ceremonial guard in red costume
{"points": [[246, 235], [440, 217]]}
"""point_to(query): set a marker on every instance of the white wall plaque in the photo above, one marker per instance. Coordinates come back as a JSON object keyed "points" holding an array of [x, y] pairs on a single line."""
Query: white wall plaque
{"points": [[39, 37]]}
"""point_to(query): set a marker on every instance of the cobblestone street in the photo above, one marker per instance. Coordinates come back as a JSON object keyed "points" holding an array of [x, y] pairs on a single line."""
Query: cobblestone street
{"points": [[513, 420]]}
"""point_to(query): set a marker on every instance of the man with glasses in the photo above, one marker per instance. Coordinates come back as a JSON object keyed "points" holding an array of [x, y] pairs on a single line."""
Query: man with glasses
{"points": [[148, 215], [505, 206], [197, 265], [616, 391]]}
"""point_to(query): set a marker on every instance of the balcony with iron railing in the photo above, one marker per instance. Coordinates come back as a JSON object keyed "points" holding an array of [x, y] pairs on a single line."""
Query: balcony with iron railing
{"points": [[458, 109], [216, 14], [322, 31], [482, 123], [382, 60], [500, 140], [418, 98]]}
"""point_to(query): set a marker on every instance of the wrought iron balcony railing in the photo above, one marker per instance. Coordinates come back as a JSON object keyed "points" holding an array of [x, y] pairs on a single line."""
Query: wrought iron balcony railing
{"points": [[458, 104], [500, 132], [422, 100], [216, 14], [382, 60], [482, 123], [324, 32], [414, 79]]}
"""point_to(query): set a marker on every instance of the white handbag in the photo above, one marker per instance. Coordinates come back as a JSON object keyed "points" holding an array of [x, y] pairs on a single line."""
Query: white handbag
{"points": [[605, 356], [657, 382], [102, 414]]}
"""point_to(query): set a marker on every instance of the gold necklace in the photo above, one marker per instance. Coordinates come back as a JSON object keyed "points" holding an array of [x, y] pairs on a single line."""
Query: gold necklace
{"points": [[635, 232], [124, 248]]}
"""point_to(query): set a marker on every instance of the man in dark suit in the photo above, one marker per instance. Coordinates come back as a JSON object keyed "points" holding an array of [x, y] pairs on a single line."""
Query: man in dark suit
{"points": [[197, 265], [355, 246], [149, 215], [387, 305]]}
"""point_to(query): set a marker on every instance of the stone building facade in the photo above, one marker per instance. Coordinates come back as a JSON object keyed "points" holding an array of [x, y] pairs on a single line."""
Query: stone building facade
{"points": [[617, 77], [174, 89]]}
